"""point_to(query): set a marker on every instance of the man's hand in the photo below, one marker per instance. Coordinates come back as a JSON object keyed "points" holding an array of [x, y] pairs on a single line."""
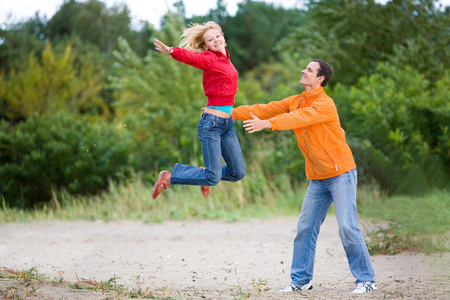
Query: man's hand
{"points": [[255, 124]]}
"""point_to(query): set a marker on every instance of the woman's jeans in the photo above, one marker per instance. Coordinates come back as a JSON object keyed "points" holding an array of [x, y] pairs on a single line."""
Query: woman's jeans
{"points": [[218, 140], [320, 194]]}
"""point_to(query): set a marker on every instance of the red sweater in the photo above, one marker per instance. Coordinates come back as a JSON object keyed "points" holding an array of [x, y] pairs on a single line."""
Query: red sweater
{"points": [[219, 75]]}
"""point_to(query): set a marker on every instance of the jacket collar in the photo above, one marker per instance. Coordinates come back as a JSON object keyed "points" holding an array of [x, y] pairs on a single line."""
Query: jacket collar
{"points": [[312, 94]]}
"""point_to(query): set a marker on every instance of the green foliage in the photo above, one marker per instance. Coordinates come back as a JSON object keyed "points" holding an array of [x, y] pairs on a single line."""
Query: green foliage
{"points": [[389, 241], [58, 151], [426, 46], [255, 30], [354, 35], [396, 117], [128, 198], [92, 21], [19, 39], [267, 82], [159, 99], [253, 33], [398, 127], [49, 84]]}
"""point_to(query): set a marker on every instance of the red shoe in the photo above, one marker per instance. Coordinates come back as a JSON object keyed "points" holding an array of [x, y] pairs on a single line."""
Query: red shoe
{"points": [[204, 189], [162, 176]]}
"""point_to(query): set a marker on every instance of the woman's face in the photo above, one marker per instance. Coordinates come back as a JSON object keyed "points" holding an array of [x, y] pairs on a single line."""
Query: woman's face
{"points": [[214, 40]]}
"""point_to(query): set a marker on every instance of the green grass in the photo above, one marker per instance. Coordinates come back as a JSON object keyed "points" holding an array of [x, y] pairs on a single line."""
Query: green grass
{"points": [[254, 197], [24, 285], [400, 222], [419, 223]]}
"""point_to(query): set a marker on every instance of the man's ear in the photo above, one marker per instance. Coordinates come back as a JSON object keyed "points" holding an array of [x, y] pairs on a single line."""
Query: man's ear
{"points": [[320, 79]]}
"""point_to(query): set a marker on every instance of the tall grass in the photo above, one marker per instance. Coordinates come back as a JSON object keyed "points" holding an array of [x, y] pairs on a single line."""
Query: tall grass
{"points": [[253, 197]]}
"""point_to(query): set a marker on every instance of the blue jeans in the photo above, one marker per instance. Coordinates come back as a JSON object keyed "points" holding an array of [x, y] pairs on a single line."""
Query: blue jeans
{"points": [[218, 140], [320, 194]]}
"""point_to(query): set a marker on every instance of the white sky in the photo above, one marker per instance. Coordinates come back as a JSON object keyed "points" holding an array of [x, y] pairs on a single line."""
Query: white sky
{"points": [[151, 10]]}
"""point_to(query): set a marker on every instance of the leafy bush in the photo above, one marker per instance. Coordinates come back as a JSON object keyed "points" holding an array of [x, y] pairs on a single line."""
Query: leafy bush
{"points": [[404, 32], [49, 84], [58, 151], [398, 127]]}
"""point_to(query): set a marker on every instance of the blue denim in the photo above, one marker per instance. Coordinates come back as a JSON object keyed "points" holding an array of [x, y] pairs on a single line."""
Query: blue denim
{"points": [[218, 139], [319, 196]]}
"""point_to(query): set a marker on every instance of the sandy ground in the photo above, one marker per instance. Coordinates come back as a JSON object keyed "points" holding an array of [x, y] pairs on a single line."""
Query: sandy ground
{"points": [[204, 260]]}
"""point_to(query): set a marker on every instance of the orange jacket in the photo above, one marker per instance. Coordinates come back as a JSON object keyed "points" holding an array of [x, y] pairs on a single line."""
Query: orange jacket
{"points": [[314, 118]]}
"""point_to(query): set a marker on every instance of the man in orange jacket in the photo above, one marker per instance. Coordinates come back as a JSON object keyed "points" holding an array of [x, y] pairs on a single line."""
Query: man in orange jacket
{"points": [[330, 166]]}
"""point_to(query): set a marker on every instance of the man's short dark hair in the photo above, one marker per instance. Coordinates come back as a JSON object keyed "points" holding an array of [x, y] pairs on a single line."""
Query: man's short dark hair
{"points": [[325, 70]]}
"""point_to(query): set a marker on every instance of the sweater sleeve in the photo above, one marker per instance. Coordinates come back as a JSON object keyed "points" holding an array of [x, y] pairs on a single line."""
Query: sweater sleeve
{"points": [[323, 110], [202, 60], [262, 111]]}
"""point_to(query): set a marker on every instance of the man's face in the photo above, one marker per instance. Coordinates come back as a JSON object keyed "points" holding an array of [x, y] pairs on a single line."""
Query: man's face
{"points": [[309, 76]]}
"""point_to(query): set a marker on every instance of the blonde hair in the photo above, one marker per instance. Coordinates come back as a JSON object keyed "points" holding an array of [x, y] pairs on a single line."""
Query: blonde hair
{"points": [[192, 37]]}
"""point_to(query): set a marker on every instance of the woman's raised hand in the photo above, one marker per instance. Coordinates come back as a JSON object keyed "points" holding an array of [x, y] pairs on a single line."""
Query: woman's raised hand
{"points": [[160, 46]]}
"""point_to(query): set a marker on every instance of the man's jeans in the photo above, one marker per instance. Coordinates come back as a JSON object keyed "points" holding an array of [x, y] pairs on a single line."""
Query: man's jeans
{"points": [[320, 194], [218, 140]]}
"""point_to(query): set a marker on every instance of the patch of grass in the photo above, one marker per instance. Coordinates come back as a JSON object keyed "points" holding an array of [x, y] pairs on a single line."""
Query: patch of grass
{"points": [[190, 292], [390, 240], [22, 283], [16, 284], [406, 222], [258, 286]]}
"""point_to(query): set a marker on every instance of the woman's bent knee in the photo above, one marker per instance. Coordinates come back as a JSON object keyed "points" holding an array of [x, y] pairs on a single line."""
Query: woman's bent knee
{"points": [[212, 180], [238, 176]]}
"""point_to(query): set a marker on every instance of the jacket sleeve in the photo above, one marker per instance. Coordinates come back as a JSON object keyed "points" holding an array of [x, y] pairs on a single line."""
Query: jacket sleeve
{"points": [[262, 111], [204, 60], [323, 110]]}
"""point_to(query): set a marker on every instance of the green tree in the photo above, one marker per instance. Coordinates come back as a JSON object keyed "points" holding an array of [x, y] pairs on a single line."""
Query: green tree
{"points": [[159, 99], [354, 35], [427, 51], [19, 39], [49, 84], [93, 22], [398, 126], [219, 14], [255, 30]]}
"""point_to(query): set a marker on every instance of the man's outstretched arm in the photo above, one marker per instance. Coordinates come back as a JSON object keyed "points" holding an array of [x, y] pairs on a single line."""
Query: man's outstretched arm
{"points": [[255, 124]]}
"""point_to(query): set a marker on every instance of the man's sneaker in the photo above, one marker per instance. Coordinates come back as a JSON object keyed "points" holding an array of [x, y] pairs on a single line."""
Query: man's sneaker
{"points": [[296, 287], [364, 287]]}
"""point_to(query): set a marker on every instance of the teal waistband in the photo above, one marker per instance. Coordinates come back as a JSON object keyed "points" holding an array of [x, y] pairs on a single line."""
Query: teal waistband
{"points": [[227, 108]]}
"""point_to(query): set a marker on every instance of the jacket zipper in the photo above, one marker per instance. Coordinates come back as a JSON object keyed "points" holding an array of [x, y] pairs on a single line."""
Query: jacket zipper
{"points": [[309, 152], [335, 165]]}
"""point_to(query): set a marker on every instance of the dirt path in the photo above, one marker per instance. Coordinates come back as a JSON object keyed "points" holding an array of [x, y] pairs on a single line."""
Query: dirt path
{"points": [[207, 259]]}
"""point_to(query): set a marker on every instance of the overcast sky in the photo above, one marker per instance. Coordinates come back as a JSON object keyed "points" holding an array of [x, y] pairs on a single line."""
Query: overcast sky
{"points": [[151, 10]]}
